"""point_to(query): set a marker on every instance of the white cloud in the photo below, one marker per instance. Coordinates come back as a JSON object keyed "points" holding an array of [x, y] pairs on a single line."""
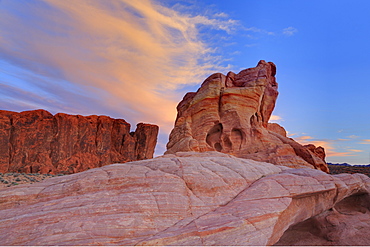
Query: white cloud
{"points": [[289, 31], [353, 136], [275, 119]]}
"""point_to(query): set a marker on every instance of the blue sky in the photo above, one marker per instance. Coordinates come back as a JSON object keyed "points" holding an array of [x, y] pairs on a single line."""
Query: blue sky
{"points": [[136, 59]]}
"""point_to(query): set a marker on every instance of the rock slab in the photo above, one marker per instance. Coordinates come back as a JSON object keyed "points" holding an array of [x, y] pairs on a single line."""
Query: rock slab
{"points": [[230, 114], [38, 142], [189, 198]]}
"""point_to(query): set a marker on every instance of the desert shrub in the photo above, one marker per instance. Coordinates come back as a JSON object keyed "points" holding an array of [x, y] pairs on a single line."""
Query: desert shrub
{"points": [[16, 174], [5, 182], [18, 179]]}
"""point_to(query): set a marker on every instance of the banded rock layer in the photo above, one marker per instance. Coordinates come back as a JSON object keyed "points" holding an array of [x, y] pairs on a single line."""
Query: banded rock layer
{"points": [[231, 113], [38, 142], [189, 198]]}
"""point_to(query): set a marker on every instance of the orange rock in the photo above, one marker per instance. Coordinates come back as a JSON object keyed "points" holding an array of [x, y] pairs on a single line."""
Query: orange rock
{"points": [[190, 198], [38, 142], [230, 114]]}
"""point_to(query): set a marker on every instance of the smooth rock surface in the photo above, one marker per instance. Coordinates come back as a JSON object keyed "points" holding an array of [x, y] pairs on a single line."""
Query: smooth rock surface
{"points": [[38, 142], [231, 113], [189, 198]]}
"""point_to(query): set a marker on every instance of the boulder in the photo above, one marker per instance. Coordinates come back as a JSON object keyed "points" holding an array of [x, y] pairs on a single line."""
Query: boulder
{"points": [[230, 114], [187, 198], [38, 142]]}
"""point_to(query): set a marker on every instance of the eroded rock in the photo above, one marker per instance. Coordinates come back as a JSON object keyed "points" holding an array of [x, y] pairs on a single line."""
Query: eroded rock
{"points": [[230, 114]]}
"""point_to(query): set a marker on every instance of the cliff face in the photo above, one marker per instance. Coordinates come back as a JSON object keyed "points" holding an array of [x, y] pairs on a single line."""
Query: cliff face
{"points": [[230, 114], [38, 142]]}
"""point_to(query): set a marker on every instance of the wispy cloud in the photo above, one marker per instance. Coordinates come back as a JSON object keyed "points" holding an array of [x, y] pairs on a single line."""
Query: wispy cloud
{"points": [[353, 136], [365, 141], [276, 118], [128, 57], [289, 31], [328, 145], [258, 30]]}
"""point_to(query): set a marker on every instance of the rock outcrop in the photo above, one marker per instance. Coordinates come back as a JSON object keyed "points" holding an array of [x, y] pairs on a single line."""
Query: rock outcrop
{"points": [[231, 113], [189, 198], [38, 142]]}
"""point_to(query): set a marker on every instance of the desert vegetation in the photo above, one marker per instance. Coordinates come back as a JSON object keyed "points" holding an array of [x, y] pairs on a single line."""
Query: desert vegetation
{"points": [[12, 179]]}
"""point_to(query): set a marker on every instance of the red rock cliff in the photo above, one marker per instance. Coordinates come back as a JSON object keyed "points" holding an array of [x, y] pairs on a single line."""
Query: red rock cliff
{"points": [[38, 142]]}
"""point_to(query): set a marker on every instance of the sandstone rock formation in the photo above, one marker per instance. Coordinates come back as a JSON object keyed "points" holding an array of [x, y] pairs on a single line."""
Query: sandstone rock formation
{"points": [[189, 198], [38, 142], [230, 114]]}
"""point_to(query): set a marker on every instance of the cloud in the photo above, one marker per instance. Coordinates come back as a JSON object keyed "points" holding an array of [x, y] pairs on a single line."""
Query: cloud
{"points": [[289, 31], [365, 141], [129, 58], [353, 136], [276, 119], [328, 145], [221, 14], [257, 30]]}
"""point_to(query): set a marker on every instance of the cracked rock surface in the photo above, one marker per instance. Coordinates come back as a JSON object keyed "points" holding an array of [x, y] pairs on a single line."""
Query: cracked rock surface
{"points": [[186, 198]]}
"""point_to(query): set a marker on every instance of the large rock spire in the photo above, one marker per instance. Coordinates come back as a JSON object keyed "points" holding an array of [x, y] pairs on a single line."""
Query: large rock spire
{"points": [[231, 113]]}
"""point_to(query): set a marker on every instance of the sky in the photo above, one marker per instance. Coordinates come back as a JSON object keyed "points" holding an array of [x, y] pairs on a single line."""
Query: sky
{"points": [[136, 60]]}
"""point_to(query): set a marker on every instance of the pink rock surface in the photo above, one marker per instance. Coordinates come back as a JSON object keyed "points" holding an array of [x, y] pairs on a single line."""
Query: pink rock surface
{"points": [[186, 198], [38, 142], [230, 114]]}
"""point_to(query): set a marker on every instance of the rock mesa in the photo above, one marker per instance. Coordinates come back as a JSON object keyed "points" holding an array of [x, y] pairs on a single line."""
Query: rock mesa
{"points": [[38, 142], [190, 198], [230, 114]]}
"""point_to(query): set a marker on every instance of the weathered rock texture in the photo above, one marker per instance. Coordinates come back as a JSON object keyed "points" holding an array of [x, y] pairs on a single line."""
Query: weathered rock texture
{"points": [[38, 142], [345, 224], [191, 198], [230, 114]]}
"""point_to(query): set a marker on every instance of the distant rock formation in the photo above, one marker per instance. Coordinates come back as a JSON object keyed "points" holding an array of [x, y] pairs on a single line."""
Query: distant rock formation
{"points": [[189, 199], [38, 142], [231, 113]]}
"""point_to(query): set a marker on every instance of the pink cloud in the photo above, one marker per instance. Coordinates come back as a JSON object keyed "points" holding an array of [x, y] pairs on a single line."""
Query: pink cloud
{"points": [[328, 145], [129, 57]]}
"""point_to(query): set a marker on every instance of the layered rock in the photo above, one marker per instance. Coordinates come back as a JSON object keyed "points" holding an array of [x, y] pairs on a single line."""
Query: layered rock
{"points": [[190, 198], [231, 113], [38, 142]]}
